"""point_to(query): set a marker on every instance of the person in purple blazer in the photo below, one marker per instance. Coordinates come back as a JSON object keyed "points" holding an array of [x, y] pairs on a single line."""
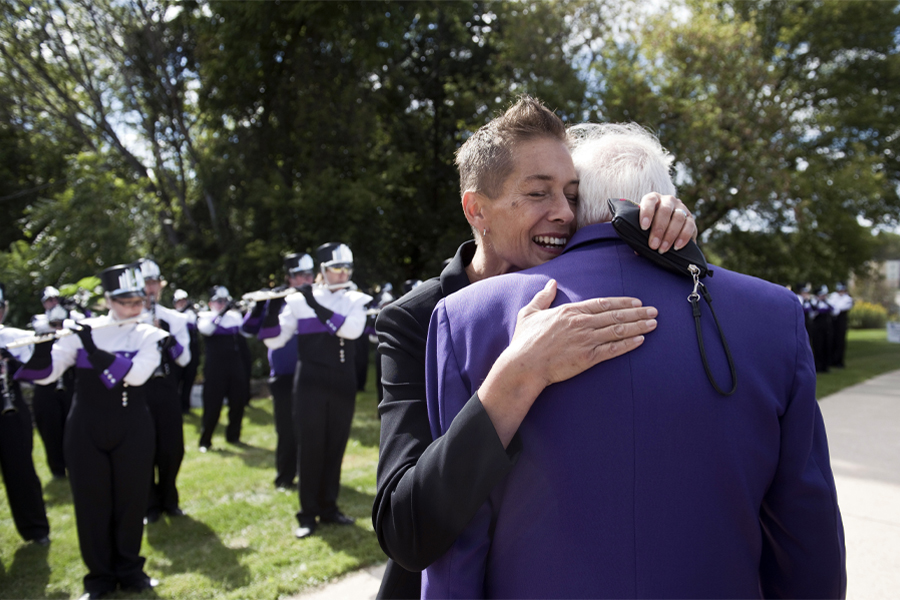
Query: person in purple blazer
{"points": [[636, 478]]}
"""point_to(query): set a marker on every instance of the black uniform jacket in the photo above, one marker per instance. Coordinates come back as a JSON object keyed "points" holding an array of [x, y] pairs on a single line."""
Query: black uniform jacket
{"points": [[428, 490]]}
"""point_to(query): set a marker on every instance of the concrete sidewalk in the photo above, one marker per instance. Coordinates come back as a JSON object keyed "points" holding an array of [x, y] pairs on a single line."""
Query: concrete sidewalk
{"points": [[863, 425]]}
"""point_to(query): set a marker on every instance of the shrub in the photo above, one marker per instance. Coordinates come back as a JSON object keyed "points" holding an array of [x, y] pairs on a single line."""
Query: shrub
{"points": [[865, 315]]}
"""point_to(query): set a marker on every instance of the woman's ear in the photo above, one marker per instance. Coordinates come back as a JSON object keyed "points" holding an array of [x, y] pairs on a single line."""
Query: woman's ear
{"points": [[473, 205]]}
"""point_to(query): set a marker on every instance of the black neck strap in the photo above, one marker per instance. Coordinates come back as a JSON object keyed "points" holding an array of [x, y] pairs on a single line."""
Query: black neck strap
{"points": [[694, 299]]}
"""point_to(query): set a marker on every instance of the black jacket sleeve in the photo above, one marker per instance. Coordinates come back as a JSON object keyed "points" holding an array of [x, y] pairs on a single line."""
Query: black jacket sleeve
{"points": [[428, 490]]}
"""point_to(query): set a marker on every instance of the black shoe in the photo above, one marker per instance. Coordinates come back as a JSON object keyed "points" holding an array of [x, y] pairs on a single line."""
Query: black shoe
{"points": [[305, 531], [44, 540], [280, 485], [152, 516], [92, 595], [175, 512], [338, 518], [145, 584]]}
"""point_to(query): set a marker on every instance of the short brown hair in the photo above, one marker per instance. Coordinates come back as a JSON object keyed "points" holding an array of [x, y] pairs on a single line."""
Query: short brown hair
{"points": [[485, 160]]}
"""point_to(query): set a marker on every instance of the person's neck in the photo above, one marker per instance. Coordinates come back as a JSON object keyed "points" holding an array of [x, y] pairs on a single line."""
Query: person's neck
{"points": [[485, 265]]}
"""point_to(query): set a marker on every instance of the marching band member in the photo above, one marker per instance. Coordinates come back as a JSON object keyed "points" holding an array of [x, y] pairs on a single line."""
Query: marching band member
{"points": [[841, 302], [162, 397], [23, 488], [109, 440], [327, 318], [299, 269], [182, 303], [224, 373], [822, 331], [51, 402]]}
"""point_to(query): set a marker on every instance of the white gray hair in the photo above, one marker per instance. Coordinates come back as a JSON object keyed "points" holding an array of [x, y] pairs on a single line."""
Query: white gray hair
{"points": [[616, 160]]}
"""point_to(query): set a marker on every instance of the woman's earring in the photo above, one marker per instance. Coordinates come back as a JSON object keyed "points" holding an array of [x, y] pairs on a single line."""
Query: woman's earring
{"points": [[484, 232]]}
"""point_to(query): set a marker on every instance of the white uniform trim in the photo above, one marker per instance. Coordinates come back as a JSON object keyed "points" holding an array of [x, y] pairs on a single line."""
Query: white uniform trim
{"points": [[348, 303], [178, 328], [135, 337]]}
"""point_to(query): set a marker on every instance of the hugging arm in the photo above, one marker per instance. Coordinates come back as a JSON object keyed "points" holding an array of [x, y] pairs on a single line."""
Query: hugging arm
{"points": [[427, 489]]}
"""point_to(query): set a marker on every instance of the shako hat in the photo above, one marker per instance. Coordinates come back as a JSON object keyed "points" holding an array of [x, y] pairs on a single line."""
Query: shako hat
{"points": [[334, 254], [219, 292], [49, 292], [298, 262], [150, 270], [179, 295], [123, 281]]}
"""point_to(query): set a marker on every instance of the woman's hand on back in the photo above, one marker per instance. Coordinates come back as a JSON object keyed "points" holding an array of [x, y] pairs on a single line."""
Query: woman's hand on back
{"points": [[550, 345]]}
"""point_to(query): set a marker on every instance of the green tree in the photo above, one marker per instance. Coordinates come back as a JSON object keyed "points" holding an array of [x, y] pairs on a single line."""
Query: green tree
{"points": [[735, 111], [340, 120], [115, 74]]}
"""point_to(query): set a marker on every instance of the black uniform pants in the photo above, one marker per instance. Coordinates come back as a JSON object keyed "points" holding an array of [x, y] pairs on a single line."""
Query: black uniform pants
{"points": [[165, 409], [186, 380], [282, 387], [324, 401], [109, 452], [839, 338], [224, 374], [821, 338], [51, 404], [23, 488], [362, 361]]}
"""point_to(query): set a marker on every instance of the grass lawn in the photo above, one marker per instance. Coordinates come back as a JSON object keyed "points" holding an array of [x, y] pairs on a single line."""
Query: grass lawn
{"points": [[868, 354], [237, 540]]}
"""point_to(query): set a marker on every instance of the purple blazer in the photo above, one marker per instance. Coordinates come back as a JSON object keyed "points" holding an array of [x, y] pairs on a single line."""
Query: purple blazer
{"points": [[637, 479]]}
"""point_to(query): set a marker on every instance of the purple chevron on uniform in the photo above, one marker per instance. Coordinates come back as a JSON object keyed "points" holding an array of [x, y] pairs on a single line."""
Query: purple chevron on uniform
{"points": [[176, 350], [636, 478], [113, 373], [314, 325], [24, 374]]}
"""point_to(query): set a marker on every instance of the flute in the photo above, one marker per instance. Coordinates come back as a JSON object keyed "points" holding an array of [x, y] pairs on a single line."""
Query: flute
{"points": [[53, 336], [263, 295]]}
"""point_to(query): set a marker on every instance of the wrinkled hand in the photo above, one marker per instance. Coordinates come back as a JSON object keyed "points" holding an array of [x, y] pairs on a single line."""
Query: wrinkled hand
{"points": [[550, 345], [559, 343], [669, 220], [83, 331]]}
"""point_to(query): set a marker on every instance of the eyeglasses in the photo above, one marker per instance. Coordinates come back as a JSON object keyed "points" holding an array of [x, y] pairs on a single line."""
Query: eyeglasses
{"points": [[132, 303], [341, 269]]}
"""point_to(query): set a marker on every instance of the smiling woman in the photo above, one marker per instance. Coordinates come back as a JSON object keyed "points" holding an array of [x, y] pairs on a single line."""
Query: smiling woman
{"points": [[532, 217]]}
